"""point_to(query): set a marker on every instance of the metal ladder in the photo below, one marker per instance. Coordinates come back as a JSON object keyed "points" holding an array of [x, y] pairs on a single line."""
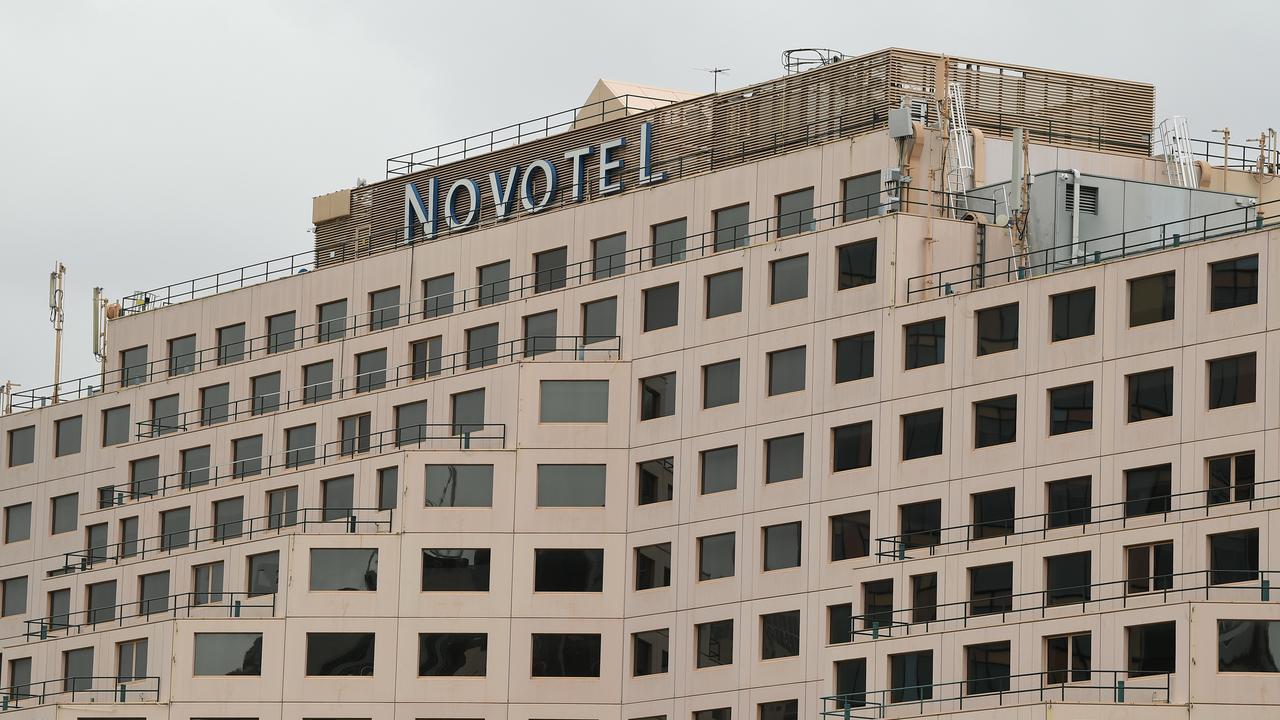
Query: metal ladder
{"points": [[959, 150], [1179, 167]]}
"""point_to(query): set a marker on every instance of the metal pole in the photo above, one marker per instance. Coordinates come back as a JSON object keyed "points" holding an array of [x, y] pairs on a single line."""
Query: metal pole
{"points": [[55, 316]]}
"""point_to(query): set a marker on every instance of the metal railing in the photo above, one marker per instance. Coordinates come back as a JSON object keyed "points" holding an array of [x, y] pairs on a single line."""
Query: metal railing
{"points": [[897, 547], [1100, 686], [1211, 226], [547, 347], [1233, 582], [347, 520], [226, 604], [80, 688], [1235, 156]]}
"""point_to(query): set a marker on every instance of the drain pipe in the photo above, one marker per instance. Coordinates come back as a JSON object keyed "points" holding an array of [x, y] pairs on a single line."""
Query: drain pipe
{"points": [[1077, 252]]}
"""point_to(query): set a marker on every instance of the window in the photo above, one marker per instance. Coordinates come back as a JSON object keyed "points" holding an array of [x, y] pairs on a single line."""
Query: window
{"points": [[133, 366], [661, 307], [649, 652], [1072, 314], [215, 405], [1233, 283], [494, 282], [247, 454], [1227, 472], [986, 668], [437, 296], [851, 681], [175, 528], [540, 333], [300, 446], [839, 623], [991, 589], [468, 411], [1071, 408], [115, 426], [331, 321], [1233, 557], [571, 485], [338, 498], [1067, 579], [786, 370], [228, 518], [565, 655], [658, 396], [206, 580], [455, 570], [1150, 394], [719, 469], [922, 434], [182, 355], [877, 603], [384, 308], [340, 654], [17, 523], [993, 513], [131, 660], [426, 357], [221, 654], [153, 593], [1152, 648], [778, 710], [784, 458], [20, 679], [911, 676], [795, 212], [77, 669], [231, 346], [925, 343], [851, 446], [549, 269], [1232, 380], [995, 421], [459, 486], [60, 609], [573, 401], [1147, 490], [568, 570], [482, 346], [280, 332], [317, 382], [788, 279], [1151, 299], [388, 487], [732, 228], [452, 654], [1149, 567], [781, 546], [716, 556], [344, 569], [997, 329], [724, 293], [96, 542], [850, 535], [22, 446], [14, 592], [599, 320], [780, 635], [282, 505], [100, 602], [921, 523], [354, 432], [856, 264], [67, 432], [65, 510], [924, 597], [653, 566], [861, 195], [266, 393], [1069, 502], [720, 382], [668, 241], [609, 256], [264, 573], [715, 643], [1068, 658], [371, 370], [165, 417], [855, 357], [411, 423], [128, 537], [655, 480], [1249, 646]]}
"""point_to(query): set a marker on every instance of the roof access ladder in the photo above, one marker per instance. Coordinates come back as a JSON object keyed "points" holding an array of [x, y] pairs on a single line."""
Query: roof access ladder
{"points": [[959, 150], [1175, 143]]}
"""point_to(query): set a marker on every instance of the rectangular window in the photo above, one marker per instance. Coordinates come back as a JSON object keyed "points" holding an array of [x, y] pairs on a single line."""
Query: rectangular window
{"points": [[724, 293], [77, 669], [65, 510], [354, 434], [165, 416], [206, 580], [1148, 567], [924, 597], [568, 570], [59, 609], [993, 513], [338, 498], [17, 523], [215, 405], [1231, 478], [861, 195], [716, 554], [131, 660], [1072, 314], [280, 332], [781, 546], [851, 446], [715, 643], [719, 470], [851, 681], [1233, 283], [788, 279], [1233, 380], [331, 321], [195, 467], [455, 569], [856, 264], [539, 334], [795, 212], [452, 654], [266, 393], [134, 369], [1150, 394], [96, 542], [784, 458], [655, 481], [565, 655], [300, 446], [384, 308], [1071, 408], [608, 256], [468, 411], [649, 652], [661, 307], [921, 523], [732, 227], [911, 676], [153, 593], [997, 329], [658, 396], [778, 710], [1249, 646], [388, 488], [1233, 557], [282, 505], [175, 528], [1152, 648], [331, 654], [995, 421], [786, 370], [228, 518], [1069, 502], [986, 668], [1151, 299], [437, 296], [22, 446], [780, 635], [925, 343], [877, 604], [227, 654], [720, 382], [571, 485], [599, 321], [426, 356], [411, 423], [14, 596], [67, 434], [482, 346], [991, 589], [1068, 658], [20, 686], [183, 356], [922, 434], [247, 456], [653, 566], [264, 573], [344, 570], [100, 601], [231, 345], [1147, 490], [371, 370], [573, 401], [855, 357], [115, 426], [549, 268], [668, 241], [839, 623], [1067, 579], [494, 282]]}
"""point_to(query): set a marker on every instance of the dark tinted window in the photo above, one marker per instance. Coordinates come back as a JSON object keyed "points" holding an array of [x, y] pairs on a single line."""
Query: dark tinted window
{"points": [[995, 421], [1068, 658], [482, 346], [788, 279], [437, 295], [565, 655], [468, 411], [494, 282], [228, 654], [1147, 490], [986, 668], [1234, 283], [1071, 408], [68, 434], [331, 321], [1233, 557], [658, 396], [247, 456], [855, 357], [384, 308], [231, 346], [66, 513], [133, 365], [655, 481], [993, 513], [1149, 567], [839, 623], [568, 570], [608, 256], [715, 643], [371, 370], [599, 320], [782, 546], [795, 212], [719, 469], [1151, 299], [850, 535], [661, 307], [921, 523], [459, 486], [997, 329], [668, 241], [452, 654], [720, 382], [115, 425], [264, 573], [1228, 473], [649, 652], [1067, 578], [851, 446], [925, 343], [317, 382], [1232, 380], [1152, 649], [922, 434], [1073, 314], [1150, 394], [1249, 646], [549, 269], [724, 293], [22, 446], [732, 230], [856, 264], [455, 570], [911, 676], [344, 569], [786, 370], [573, 401], [1069, 502], [563, 485], [877, 603], [183, 356], [716, 556], [540, 333], [784, 458], [300, 446], [343, 653], [991, 589], [780, 635], [653, 566], [280, 332]]}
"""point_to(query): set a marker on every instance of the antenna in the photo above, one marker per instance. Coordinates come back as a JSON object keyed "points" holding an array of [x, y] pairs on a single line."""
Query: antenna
{"points": [[55, 316], [715, 76]]}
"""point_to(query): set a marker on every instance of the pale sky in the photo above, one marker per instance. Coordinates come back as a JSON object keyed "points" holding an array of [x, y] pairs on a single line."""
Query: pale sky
{"points": [[144, 143]]}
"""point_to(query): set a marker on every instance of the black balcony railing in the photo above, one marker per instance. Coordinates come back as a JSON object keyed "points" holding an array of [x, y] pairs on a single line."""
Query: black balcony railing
{"points": [[188, 604], [81, 688]]}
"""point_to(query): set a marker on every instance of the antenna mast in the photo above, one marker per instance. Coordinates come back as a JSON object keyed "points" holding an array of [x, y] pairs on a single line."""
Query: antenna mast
{"points": [[55, 316], [715, 76]]}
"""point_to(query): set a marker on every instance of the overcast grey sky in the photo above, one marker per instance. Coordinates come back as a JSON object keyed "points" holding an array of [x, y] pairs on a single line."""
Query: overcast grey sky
{"points": [[148, 142]]}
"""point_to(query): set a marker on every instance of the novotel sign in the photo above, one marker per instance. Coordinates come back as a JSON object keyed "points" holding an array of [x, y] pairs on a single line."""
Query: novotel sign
{"points": [[537, 185]]}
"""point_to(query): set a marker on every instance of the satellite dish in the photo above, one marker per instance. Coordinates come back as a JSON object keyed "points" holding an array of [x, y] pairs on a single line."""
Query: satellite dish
{"points": [[1002, 220]]}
